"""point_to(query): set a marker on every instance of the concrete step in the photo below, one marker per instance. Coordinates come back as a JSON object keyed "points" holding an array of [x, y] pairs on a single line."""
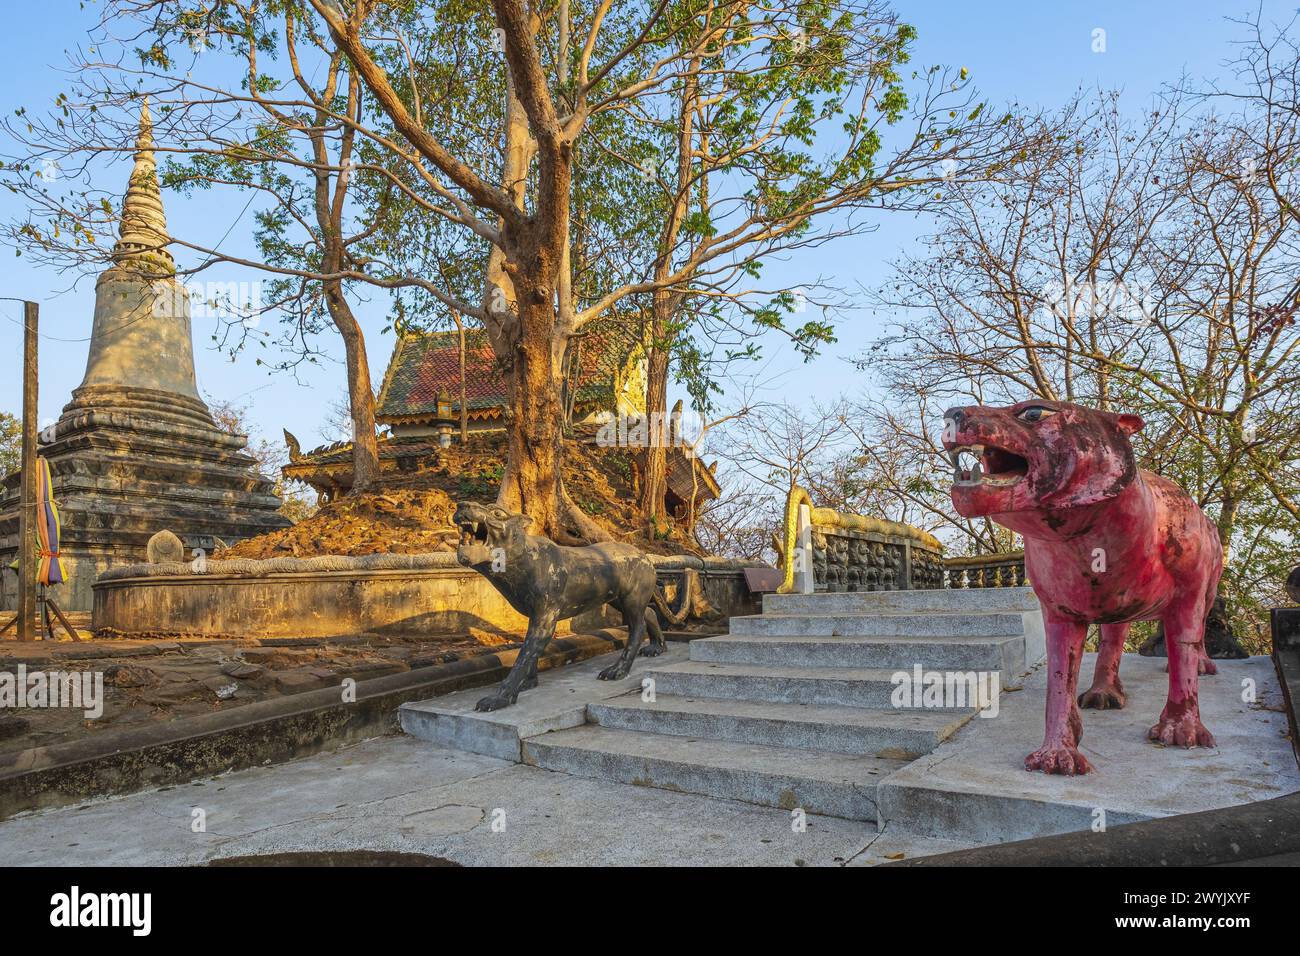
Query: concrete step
{"points": [[1002, 653], [891, 624], [833, 784], [894, 733], [843, 686], [971, 600], [559, 701]]}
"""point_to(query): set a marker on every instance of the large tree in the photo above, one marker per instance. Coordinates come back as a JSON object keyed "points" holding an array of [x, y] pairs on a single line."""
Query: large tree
{"points": [[734, 71]]}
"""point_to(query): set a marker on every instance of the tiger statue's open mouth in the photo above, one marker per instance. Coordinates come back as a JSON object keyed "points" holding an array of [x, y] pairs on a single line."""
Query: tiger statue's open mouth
{"points": [[483, 529], [1036, 455], [987, 464]]}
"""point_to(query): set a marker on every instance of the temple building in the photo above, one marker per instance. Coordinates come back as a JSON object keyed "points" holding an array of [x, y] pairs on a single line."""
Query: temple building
{"points": [[422, 392], [136, 450], [606, 373]]}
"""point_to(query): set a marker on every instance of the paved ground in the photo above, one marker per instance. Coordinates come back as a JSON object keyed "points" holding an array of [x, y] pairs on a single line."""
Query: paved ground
{"points": [[405, 794], [398, 793]]}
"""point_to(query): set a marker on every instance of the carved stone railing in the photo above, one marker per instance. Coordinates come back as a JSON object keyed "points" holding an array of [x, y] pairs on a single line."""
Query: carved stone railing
{"points": [[856, 553], [986, 571]]}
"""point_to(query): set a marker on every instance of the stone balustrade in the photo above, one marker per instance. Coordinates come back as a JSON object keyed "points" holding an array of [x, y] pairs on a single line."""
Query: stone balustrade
{"points": [[850, 552], [856, 553], [1006, 570]]}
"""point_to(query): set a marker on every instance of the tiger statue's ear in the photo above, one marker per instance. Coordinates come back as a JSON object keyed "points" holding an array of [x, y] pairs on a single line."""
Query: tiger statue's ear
{"points": [[522, 522], [1129, 424]]}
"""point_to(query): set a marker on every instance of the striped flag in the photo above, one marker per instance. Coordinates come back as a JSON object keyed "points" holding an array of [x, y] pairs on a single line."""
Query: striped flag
{"points": [[51, 570]]}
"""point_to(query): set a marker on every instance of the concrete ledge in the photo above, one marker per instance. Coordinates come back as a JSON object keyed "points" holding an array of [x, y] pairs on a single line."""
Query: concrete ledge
{"points": [[837, 785], [254, 734], [248, 567], [334, 595], [315, 598], [1263, 832], [974, 787]]}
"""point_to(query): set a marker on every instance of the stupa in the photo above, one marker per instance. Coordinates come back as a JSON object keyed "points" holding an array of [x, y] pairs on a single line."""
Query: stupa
{"points": [[136, 450]]}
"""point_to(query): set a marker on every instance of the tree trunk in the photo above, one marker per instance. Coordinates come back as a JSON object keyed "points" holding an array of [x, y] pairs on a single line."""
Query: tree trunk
{"points": [[361, 399], [533, 484], [529, 327], [663, 306], [1227, 521], [654, 483], [464, 403]]}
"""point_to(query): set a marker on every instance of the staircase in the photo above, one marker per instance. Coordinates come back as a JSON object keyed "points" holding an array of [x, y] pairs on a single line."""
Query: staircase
{"points": [[792, 707]]}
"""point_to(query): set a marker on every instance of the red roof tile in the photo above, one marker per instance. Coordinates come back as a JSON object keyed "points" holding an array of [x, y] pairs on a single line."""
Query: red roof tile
{"points": [[424, 363]]}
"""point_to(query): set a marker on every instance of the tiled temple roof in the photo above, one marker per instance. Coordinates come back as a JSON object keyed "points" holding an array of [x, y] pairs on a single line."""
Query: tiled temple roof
{"points": [[424, 363]]}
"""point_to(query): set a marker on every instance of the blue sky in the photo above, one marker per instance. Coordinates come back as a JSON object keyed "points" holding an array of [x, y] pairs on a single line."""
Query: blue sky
{"points": [[1032, 52]]}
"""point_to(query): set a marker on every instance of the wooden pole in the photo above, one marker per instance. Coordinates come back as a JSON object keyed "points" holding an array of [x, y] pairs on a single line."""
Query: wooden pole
{"points": [[464, 406], [27, 500]]}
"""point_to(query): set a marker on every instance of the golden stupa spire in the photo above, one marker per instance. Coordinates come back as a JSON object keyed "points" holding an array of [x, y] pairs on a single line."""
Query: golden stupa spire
{"points": [[143, 234]]}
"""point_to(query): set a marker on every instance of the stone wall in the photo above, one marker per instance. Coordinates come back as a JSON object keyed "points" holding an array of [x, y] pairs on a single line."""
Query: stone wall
{"points": [[857, 553], [722, 581], [333, 596]]}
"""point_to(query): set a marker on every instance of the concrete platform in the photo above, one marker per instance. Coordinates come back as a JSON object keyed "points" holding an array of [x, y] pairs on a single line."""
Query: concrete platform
{"points": [[878, 624], [925, 600], [938, 611], [559, 702], [401, 794], [983, 652], [974, 788], [780, 684]]}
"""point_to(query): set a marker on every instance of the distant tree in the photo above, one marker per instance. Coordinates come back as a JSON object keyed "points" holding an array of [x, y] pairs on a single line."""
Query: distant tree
{"points": [[778, 446], [895, 470], [336, 426], [739, 524], [11, 443]]}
